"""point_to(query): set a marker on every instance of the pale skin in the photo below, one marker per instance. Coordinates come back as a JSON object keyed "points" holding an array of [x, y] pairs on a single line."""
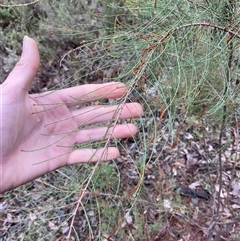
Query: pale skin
{"points": [[38, 132]]}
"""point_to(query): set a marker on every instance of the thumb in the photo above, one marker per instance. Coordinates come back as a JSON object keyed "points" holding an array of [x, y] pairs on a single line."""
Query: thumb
{"points": [[26, 69]]}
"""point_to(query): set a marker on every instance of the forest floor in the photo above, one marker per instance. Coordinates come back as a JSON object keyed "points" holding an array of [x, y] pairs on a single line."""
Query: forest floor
{"points": [[174, 197]]}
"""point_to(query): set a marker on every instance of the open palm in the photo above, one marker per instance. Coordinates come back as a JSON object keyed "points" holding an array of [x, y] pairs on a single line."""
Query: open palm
{"points": [[38, 131]]}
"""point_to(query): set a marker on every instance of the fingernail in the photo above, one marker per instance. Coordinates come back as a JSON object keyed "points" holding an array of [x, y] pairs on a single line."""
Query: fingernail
{"points": [[119, 84], [25, 42]]}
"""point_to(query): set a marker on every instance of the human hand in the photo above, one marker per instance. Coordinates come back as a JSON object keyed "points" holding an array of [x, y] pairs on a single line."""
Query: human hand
{"points": [[38, 131]]}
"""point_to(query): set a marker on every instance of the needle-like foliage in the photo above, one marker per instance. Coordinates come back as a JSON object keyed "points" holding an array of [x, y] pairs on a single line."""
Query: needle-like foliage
{"points": [[180, 60]]}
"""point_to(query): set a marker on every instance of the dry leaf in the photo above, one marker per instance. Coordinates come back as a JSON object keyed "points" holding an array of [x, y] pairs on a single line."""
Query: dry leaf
{"points": [[236, 189], [194, 185]]}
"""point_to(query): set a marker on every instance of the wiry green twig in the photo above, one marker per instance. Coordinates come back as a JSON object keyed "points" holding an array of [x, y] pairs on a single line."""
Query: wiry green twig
{"points": [[19, 5]]}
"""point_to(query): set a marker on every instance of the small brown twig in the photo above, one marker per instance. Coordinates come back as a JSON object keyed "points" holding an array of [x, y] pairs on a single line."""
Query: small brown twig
{"points": [[162, 111], [174, 144], [211, 25]]}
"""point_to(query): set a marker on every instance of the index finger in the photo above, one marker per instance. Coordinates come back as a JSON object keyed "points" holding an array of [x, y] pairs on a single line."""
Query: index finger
{"points": [[81, 94]]}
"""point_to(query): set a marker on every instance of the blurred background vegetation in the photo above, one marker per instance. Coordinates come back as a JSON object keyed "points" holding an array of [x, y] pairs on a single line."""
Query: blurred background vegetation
{"points": [[180, 60]]}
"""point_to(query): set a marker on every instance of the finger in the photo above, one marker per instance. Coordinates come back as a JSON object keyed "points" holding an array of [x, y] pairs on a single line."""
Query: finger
{"points": [[103, 133], [97, 114], [81, 94], [93, 155], [26, 69]]}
